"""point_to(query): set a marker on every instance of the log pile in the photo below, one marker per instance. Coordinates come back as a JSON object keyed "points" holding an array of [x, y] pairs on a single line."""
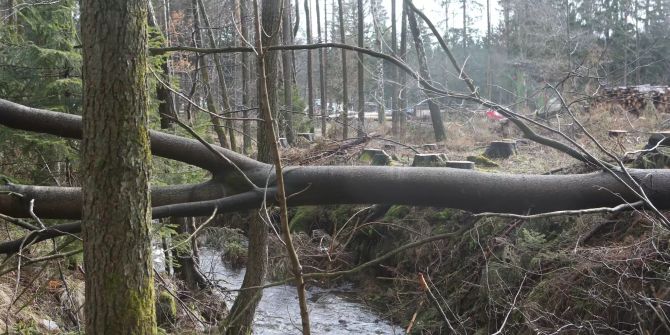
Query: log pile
{"points": [[634, 99]]}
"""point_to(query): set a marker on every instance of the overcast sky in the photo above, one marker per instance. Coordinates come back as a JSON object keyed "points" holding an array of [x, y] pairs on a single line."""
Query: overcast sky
{"points": [[434, 9]]}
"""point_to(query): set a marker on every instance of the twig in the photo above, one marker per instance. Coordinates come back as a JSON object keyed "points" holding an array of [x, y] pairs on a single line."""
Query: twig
{"points": [[195, 232], [615, 209], [511, 308]]}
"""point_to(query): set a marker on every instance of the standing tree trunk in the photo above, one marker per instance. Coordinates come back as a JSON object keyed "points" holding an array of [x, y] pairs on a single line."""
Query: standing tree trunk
{"points": [[188, 260], [395, 112], [402, 98], [287, 66], [310, 85], [322, 75], [465, 26], [361, 87], [241, 316], [166, 105], [379, 92], [223, 87], [202, 64], [436, 117], [246, 66], [489, 82], [116, 162], [345, 79]]}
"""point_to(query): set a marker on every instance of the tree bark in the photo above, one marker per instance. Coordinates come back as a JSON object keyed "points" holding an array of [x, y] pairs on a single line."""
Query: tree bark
{"points": [[435, 114], [116, 162]]}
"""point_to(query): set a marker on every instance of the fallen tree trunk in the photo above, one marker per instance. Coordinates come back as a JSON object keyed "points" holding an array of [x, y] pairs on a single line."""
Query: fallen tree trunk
{"points": [[320, 185]]}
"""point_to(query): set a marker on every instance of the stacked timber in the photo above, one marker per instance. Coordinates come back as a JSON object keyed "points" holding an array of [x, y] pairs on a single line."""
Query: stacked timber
{"points": [[636, 99]]}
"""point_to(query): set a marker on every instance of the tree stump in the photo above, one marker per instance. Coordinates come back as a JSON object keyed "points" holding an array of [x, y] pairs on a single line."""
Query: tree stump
{"points": [[466, 165], [500, 149], [429, 160], [368, 155], [381, 159], [283, 142]]}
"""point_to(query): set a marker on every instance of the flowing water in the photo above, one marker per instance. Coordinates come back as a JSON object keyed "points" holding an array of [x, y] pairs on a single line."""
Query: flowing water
{"points": [[278, 312]]}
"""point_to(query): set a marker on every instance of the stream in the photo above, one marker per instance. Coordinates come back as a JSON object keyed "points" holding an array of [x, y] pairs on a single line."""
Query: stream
{"points": [[331, 312]]}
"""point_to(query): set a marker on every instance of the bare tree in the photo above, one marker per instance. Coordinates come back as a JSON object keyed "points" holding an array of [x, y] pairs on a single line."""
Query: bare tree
{"points": [[435, 114]]}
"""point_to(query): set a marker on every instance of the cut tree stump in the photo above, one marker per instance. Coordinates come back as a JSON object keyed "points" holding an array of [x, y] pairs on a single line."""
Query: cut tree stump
{"points": [[500, 149], [283, 142], [428, 160], [466, 165], [368, 155], [381, 159]]}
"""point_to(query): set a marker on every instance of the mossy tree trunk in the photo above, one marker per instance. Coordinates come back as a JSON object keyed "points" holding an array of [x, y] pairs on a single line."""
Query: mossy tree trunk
{"points": [[116, 166]]}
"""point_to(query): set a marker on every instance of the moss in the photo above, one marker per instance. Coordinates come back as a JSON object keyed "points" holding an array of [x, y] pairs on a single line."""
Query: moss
{"points": [[482, 161], [304, 218], [166, 309], [397, 212], [445, 215], [340, 214]]}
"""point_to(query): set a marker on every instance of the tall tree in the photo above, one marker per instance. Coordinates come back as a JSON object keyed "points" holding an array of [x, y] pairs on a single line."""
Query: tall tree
{"points": [[322, 75], [361, 86], [465, 25], [166, 106], [310, 83], [223, 86], [241, 316], [379, 90], [345, 79], [402, 98], [287, 71], [204, 74], [116, 162], [395, 112], [435, 115], [246, 78]]}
